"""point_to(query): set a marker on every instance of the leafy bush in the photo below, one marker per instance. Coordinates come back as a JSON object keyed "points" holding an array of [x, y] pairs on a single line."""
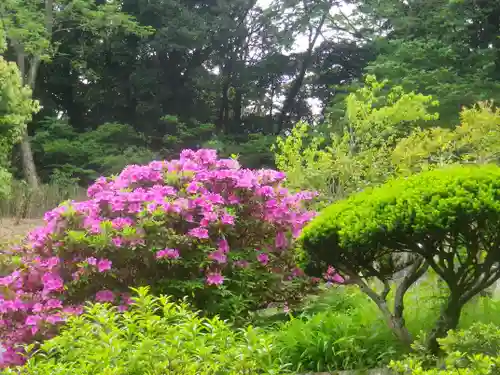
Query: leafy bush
{"points": [[198, 227], [474, 351], [155, 336], [446, 219], [479, 339]]}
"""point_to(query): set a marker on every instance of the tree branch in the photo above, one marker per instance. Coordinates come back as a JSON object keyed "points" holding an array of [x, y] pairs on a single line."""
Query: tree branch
{"points": [[416, 271]]}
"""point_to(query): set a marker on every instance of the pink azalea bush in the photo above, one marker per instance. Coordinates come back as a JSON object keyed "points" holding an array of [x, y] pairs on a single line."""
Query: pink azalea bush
{"points": [[198, 226]]}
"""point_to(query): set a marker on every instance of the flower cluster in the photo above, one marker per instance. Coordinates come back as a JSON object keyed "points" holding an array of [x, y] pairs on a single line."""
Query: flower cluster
{"points": [[332, 277], [198, 219]]}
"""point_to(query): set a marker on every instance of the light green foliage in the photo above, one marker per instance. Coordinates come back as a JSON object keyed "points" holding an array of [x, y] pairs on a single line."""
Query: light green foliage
{"points": [[478, 365], [475, 140], [478, 339], [473, 351], [403, 212], [16, 109], [342, 329], [375, 119], [30, 24], [447, 217], [155, 337]]}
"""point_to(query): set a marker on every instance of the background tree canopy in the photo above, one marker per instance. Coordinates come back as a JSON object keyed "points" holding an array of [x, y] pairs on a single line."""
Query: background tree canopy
{"points": [[127, 81]]}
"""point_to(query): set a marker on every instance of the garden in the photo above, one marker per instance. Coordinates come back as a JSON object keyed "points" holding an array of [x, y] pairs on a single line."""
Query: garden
{"points": [[199, 266], [171, 205]]}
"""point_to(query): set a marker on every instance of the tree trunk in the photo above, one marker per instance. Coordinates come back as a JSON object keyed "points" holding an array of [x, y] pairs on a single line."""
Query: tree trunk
{"points": [[400, 331], [449, 319], [29, 167], [395, 321], [28, 162], [284, 116]]}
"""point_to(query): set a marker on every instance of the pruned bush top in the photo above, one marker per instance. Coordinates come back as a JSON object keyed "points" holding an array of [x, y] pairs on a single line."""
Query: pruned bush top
{"points": [[198, 226], [455, 208]]}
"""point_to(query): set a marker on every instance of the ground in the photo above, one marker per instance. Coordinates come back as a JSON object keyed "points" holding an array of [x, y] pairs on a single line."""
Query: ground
{"points": [[9, 231]]}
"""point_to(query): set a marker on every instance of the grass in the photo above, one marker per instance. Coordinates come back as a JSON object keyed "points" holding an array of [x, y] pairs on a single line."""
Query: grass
{"points": [[343, 330], [25, 204]]}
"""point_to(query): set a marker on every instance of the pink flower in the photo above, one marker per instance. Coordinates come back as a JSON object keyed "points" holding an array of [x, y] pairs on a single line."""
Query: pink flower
{"points": [[332, 275], [214, 278], [55, 318], [52, 282], [53, 304], [199, 232], [227, 219], [281, 241], [32, 320], [105, 296], [91, 261], [263, 258], [117, 241], [168, 254], [218, 256], [104, 265], [223, 246]]}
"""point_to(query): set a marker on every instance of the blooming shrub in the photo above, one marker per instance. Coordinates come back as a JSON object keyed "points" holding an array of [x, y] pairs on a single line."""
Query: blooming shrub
{"points": [[199, 226], [155, 337]]}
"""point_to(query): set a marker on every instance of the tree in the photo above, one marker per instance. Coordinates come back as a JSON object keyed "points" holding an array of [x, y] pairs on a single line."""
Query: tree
{"points": [[358, 155], [16, 109], [446, 219], [31, 29], [475, 140], [309, 15], [448, 49]]}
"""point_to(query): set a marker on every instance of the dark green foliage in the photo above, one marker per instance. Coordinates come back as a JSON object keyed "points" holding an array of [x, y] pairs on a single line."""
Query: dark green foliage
{"points": [[66, 156], [449, 49]]}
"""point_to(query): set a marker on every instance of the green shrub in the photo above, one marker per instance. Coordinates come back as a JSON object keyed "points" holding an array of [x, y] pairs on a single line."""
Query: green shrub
{"points": [[342, 157], [447, 219], [480, 338], [474, 351], [155, 337]]}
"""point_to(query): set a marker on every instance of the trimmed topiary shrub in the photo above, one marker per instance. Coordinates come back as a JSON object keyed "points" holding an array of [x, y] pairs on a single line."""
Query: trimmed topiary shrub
{"points": [[154, 337], [199, 226], [447, 219]]}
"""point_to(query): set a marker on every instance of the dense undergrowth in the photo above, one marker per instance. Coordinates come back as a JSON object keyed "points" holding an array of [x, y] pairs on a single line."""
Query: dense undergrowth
{"points": [[342, 329]]}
